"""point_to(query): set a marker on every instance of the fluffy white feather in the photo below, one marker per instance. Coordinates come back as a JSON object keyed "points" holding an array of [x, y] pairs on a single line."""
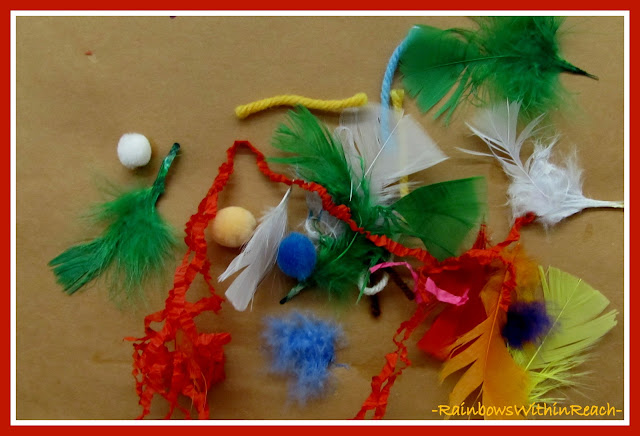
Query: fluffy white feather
{"points": [[550, 191], [257, 257], [407, 150]]}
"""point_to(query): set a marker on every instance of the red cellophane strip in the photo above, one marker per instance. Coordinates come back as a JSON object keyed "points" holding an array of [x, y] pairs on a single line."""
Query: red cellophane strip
{"points": [[178, 360]]}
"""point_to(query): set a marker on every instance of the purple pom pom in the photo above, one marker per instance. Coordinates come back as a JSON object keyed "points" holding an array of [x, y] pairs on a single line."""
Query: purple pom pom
{"points": [[526, 322]]}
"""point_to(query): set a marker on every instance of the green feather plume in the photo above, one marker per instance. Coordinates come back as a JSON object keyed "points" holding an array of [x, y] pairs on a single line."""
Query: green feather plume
{"points": [[443, 215], [506, 58], [578, 323], [317, 156], [134, 246]]}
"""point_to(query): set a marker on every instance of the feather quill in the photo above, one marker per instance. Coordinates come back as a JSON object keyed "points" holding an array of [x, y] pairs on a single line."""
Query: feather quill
{"points": [[550, 191], [512, 58], [483, 351], [257, 257], [578, 323], [384, 161]]}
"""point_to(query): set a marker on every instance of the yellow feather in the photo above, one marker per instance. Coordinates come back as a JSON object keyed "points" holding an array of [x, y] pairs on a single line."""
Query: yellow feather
{"points": [[579, 321]]}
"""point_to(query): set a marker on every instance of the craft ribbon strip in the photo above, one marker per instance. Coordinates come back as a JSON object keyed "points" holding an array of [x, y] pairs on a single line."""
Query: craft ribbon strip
{"points": [[197, 360], [431, 287]]}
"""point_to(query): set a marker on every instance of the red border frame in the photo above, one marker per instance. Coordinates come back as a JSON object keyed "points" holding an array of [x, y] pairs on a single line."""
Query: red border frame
{"points": [[285, 5]]}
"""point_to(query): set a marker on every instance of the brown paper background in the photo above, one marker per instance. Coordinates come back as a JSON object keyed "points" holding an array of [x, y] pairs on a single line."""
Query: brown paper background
{"points": [[178, 80]]}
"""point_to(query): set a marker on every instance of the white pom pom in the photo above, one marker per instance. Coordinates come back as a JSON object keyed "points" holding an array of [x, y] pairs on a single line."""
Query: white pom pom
{"points": [[134, 150]]}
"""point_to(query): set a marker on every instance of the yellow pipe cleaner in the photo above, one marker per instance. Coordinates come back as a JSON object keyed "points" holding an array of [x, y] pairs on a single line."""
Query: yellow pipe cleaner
{"points": [[397, 98], [245, 110]]}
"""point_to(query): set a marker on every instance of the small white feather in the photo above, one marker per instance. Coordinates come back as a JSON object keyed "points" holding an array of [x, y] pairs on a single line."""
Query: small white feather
{"points": [[407, 150], [539, 186], [257, 257]]}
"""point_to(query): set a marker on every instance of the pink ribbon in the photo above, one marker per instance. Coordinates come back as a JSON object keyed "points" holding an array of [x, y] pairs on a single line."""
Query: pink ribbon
{"points": [[431, 287]]}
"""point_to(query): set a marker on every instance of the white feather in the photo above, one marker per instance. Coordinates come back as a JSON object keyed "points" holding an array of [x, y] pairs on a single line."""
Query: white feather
{"points": [[407, 150], [257, 256], [550, 191]]}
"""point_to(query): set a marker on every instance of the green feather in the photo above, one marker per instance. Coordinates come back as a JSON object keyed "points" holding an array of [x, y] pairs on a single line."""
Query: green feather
{"points": [[443, 214], [317, 155], [342, 262], [578, 323], [432, 63], [506, 58], [134, 246]]}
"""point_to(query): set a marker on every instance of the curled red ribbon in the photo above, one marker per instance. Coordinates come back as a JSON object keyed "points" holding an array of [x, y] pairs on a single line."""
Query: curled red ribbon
{"points": [[179, 360]]}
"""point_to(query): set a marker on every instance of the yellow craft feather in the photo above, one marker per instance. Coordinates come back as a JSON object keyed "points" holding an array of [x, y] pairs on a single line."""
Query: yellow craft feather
{"points": [[491, 368], [578, 323]]}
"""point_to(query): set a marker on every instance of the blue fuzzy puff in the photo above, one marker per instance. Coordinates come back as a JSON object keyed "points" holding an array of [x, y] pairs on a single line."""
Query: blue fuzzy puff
{"points": [[526, 322], [297, 256], [302, 347]]}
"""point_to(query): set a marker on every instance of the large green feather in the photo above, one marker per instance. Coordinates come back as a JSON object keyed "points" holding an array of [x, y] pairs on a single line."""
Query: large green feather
{"points": [[578, 323], [432, 64], [506, 58], [317, 156], [443, 214], [135, 245]]}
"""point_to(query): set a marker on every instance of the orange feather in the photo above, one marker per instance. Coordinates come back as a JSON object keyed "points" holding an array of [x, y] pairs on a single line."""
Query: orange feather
{"points": [[484, 353]]}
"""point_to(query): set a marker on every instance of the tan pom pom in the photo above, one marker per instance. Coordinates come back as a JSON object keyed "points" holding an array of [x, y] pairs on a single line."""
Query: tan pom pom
{"points": [[233, 226]]}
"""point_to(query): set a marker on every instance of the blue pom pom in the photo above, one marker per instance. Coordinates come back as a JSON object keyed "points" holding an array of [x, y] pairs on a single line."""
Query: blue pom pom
{"points": [[526, 322], [302, 347], [297, 256]]}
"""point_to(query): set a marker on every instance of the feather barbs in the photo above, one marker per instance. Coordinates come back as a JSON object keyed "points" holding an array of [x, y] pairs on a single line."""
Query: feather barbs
{"points": [[490, 366], [405, 150], [257, 257], [578, 321], [538, 185], [135, 245], [514, 58]]}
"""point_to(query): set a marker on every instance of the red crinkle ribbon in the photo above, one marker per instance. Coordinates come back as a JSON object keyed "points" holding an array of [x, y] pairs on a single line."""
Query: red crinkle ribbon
{"points": [[478, 255], [382, 383], [178, 360]]}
